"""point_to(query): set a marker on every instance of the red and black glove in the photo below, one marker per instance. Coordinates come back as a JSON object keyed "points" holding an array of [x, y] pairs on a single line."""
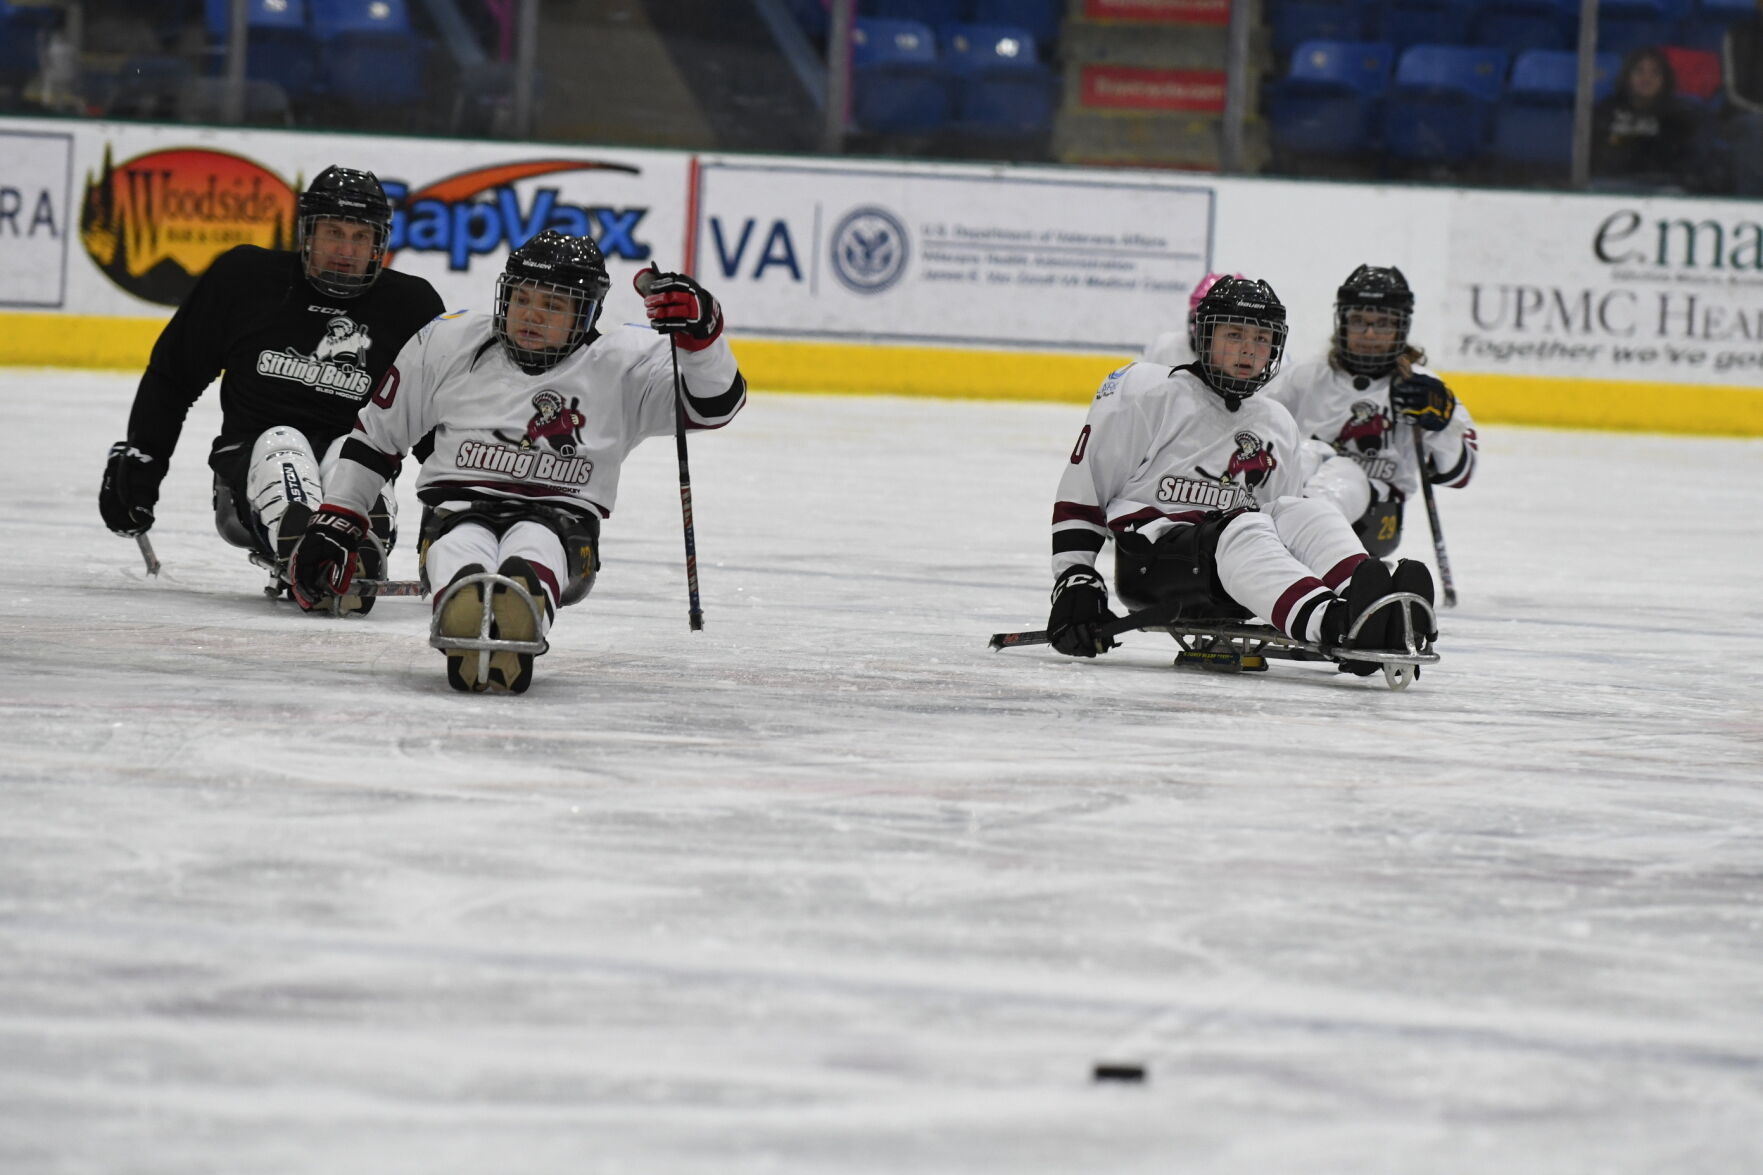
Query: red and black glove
{"points": [[323, 563], [678, 306]]}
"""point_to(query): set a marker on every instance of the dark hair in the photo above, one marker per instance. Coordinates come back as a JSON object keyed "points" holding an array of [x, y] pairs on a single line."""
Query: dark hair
{"points": [[1635, 56]]}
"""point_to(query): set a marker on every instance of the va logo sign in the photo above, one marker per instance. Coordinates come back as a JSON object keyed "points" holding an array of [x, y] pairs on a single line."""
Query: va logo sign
{"points": [[869, 250]]}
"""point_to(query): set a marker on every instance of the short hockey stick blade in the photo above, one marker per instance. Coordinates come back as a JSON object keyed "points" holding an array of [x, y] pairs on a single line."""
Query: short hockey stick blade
{"points": [[1145, 617]]}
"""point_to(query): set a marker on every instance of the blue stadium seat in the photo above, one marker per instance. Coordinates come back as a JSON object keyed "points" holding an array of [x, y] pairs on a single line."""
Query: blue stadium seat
{"points": [[1518, 25], [332, 18], [927, 12], [1533, 124], [369, 54], [1442, 102], [1039, 18], [898, 84], [1424, 22], [1000, 85], [1328, 101], [1295, 22], [279, 46]]}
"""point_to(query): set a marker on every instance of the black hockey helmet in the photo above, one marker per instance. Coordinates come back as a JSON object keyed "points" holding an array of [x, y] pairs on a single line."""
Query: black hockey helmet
{"points": [[1236, 304], [1377, 294], [553, 263], [342, 193]]}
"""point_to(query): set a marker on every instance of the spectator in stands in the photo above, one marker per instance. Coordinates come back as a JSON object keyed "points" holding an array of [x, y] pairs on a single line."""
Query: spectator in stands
{"points": [[1643, 134], [1743, 62]]}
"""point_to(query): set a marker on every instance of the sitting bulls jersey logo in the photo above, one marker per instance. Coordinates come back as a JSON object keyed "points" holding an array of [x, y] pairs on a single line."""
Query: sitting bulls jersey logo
{"points": [[337, 365], [1365, 429], [1253, 460], [553, 424], [345, 341]]}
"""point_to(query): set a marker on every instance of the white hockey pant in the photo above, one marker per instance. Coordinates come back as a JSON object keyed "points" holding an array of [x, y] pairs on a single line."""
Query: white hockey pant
{"points": [[1283, 562], [470, 543], [1335, 479]]}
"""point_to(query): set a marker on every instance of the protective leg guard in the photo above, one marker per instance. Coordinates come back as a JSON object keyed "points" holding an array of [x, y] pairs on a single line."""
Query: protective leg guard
{"points": [[282, 470]]}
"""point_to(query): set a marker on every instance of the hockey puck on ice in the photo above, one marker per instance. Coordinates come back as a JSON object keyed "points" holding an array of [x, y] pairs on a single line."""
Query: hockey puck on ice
{"points": [[1128, 1071]]}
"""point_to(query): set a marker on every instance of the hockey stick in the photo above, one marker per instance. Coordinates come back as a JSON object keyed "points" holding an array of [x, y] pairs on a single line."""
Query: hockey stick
{"points": [[147, 555], [695, 607], [1155, 614], [1432, 517]]}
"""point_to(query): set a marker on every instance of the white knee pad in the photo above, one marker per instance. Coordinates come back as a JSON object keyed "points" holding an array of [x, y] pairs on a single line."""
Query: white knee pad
{"points": [[282, 470], [1341, 482]]}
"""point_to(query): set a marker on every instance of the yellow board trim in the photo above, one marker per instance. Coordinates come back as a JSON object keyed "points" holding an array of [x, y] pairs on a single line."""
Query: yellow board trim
{"points": [[70, 340]]}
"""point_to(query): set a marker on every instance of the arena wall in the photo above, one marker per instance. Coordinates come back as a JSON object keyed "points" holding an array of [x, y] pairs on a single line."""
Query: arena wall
{"points": [[1604, 311]]}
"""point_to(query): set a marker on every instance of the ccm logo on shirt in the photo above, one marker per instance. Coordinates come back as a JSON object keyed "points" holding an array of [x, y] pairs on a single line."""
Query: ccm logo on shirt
{"points": [[524, 463]]}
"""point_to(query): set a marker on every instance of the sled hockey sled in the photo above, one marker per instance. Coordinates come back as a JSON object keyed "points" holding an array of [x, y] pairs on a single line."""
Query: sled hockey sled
{"points": [[483, 642], [1233, 646]]}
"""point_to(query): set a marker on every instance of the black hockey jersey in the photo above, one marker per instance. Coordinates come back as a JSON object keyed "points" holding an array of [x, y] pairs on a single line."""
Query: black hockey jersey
{"points": [[291, 355]]}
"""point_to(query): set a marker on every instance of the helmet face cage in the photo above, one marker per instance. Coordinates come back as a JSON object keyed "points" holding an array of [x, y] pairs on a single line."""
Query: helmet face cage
{"points": [[583, 312], [1207, 327], [337, 283], [351, 197], [1252, 305], [553, 264], [1379, 296]]}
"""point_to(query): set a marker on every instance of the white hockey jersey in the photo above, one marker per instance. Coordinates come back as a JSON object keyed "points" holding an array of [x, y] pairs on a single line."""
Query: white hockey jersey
{"points": [[1353, 414], [1160, 447], [559, 436]]}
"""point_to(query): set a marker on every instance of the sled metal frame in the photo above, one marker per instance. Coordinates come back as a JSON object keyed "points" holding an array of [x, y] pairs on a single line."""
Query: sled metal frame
{"points": [[1229, 647], [483, 642]]}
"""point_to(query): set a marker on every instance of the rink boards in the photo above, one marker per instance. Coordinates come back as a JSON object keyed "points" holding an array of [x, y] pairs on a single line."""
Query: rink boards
{"points": [[1606, 311]]}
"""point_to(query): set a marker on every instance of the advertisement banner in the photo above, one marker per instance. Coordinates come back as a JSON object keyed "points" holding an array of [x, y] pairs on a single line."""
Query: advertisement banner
{"points": [[141, 211], [1623, 288], [968, 258], [36, 179]]}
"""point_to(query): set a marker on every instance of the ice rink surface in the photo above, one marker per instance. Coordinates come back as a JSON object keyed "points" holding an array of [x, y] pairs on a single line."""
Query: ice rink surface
{"points": [[830, 887]]}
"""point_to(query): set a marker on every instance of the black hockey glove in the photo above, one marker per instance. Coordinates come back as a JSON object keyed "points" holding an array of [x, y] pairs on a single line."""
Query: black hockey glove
{"points": [[130, 489], [1080, 604], [679, 306], [324, 561], [1424, 400]]}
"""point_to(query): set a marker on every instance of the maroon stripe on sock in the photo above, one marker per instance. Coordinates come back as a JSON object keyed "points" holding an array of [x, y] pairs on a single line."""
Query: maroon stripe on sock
{"points": [[1343, 571], [1290, 598]]}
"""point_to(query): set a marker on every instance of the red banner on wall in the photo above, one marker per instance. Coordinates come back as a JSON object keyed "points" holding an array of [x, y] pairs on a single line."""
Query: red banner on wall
{"points": [[1125, 87], [1212, 12]]}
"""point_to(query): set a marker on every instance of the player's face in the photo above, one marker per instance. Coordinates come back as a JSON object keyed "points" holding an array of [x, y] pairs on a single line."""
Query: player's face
{"points": [[343, 246], [540, 318], [1241, 350], [1372, 332]]}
